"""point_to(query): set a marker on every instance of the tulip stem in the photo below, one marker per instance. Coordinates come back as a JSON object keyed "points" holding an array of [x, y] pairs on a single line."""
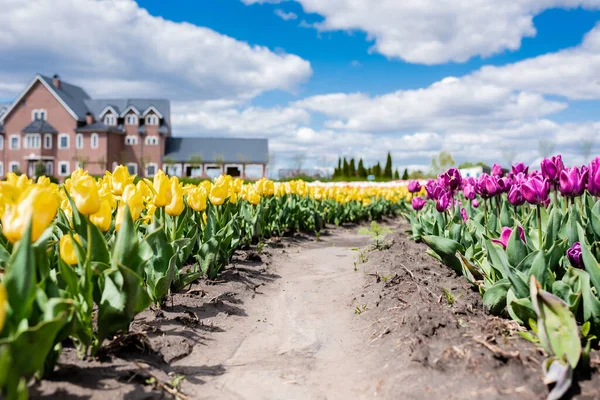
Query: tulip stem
{"points": [[539, 218], [485, 217], [88, 258]]}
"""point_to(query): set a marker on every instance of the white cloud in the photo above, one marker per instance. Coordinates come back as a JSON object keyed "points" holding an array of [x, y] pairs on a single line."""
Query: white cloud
{"points": [[434, 31], [285, 16], [117, 48]]}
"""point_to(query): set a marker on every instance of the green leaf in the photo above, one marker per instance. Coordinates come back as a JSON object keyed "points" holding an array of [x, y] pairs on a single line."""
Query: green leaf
{"points": [[499, 261], [516, 250], [494, 299], [20, 278], [589, 262], [585, 329], [159, 271]]}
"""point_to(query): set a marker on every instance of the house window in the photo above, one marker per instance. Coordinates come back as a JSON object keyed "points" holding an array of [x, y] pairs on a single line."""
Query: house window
{"points": [[47, 141], [63, 168], [132, 168], [151, 140], [152, 120], [1, 168], [39, 114], [131, 140], [151, 169], [173, 169], [94, 141], [79, 141], [33, 141], [15, 142], [14, 166], [110, 120], [63, 141], [131, 119], [1, 142], [49, 168]]}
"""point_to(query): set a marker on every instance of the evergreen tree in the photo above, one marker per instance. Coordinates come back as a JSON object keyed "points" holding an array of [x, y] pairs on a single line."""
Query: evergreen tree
{"points": [[338, 171], [387, 173], [345, 169], [377, 170], [352, 168], [362, 172], [405, 175], [396, 174]]}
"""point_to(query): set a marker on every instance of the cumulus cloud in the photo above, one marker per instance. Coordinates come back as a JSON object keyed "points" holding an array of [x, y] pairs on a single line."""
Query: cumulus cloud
{"points": [[116, 48], [433, 31], [286, 16]]}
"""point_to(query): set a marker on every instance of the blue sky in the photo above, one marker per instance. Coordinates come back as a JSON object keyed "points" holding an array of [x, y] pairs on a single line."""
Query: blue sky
{"points": [[484, 79]]}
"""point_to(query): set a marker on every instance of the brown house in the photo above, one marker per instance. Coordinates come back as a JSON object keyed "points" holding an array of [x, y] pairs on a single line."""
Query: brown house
{"points": [[57, 125]]}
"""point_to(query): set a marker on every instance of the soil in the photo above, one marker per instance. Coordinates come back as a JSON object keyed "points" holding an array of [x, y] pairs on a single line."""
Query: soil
{"points": [[308, 319]]}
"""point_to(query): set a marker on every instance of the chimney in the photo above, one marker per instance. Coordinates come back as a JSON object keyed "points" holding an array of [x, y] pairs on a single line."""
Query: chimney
{"points": [[56, 81], [89, 118]]}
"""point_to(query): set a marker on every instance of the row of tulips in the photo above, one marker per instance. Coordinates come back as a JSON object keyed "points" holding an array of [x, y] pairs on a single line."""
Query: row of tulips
{"points": [[529, 242], [79, 261]]}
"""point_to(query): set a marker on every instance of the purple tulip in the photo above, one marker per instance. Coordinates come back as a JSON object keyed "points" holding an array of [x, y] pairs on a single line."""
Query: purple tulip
{"points": [[505, 235], [520, 168], [469, 192], [536, 190], [418, 203], [497, 170], [430, 188], [487, 186], [475, 203], [572, 181], [414, 187], [463, 214], [515, 197], [574, 255], [443, 202], [452, 179], [593, 184], [552, 167]]}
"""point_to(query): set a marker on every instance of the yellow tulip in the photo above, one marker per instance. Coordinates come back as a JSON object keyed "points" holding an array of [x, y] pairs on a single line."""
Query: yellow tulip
{"points": [[121, 179], [207, 185], [84, 192], [175, 207], [218, 194], [67, 249], [103, 218], [253, 197], [197, 199], [162, 187], [134, 200], [39, 201], [3, 306]]}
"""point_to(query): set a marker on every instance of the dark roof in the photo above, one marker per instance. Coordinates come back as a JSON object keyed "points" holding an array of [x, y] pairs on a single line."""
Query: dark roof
{"points": [[73, 96], [96, 106], [39, 126], [99, 126], [212, 150]]}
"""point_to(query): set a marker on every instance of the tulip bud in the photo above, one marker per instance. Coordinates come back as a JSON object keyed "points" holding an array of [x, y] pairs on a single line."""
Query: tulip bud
{"points": [[515, 197], [552, 167], [218, 194], [574, 255], [103, 218], [197, 199], [572, 181], [67, 249], [162, 187], [120, 179], [443, 202], [176, 206], [414, 187], [497, 170], [536, 190], [519, 168], [418, 203], [84, 192], [41, 202]]}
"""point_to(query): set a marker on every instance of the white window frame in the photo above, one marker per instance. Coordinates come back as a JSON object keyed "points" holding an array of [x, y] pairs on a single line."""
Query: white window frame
{"points": [[79, 137], [1, 142], [94, 141], [151, 140], [60, 164], [110, 119], [32, 137], [10, 143], [62, 135], [155, 165], [49, 168], [1, 168], [39, 112], [135, 169], [131, 140], [47, 141], [152, 119], [12, 164], [132, 119]]}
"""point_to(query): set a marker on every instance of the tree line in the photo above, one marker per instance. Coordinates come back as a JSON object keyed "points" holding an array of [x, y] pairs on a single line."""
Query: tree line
{"points": [[350, 170]]}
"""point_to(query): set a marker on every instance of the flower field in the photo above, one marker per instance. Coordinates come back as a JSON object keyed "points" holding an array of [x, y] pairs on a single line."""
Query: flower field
{"points": [[528, 241], [80, 260]]}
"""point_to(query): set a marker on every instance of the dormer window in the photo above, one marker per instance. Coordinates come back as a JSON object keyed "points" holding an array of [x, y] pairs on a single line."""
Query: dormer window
{"points": [[131, 119], [110, 120], [39, 114], [152, 120]]}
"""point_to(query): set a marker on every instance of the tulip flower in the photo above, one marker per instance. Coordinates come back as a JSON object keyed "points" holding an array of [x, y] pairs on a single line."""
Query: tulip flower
{"points": [[464, 215], [120, 179], [451, 179], [552, 167], [84, 192], [443, 202], [593, 184], [197, 199], [134, 199], [254, 198], [497, 170], [176, 206], [505, 235], [469, 191], [574, 255], [475, 203], [218, 194], [3, 306], [67, 249], [572, 181], [162, 189], [430, 188], [536, 190], [487, 186], [519, 168], [103, 218], [515, 196], [41, 202], [418, 203], [414, 187]]}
